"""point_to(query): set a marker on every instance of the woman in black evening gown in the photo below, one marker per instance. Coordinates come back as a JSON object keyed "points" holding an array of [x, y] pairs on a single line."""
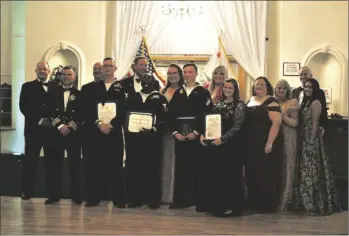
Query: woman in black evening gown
{"points": [[264, 148], [224, 177]]}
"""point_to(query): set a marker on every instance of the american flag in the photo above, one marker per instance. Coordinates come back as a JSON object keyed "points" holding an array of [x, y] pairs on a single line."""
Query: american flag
{"points": [[143, 51]]}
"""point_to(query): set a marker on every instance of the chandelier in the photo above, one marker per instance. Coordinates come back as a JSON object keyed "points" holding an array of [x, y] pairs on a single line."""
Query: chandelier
{"points": [[182, 9]]}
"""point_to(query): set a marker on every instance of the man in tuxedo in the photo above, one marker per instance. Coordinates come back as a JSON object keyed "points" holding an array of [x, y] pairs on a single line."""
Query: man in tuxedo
{"points": [[65, 116], [189, 100], [86, 132], [33, 103], [104, 167], [298, 93], [133, 84]]}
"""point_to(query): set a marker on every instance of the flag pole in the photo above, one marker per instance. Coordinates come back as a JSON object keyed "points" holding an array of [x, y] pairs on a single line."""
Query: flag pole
{"points": [[226, 56], [155, 69]]}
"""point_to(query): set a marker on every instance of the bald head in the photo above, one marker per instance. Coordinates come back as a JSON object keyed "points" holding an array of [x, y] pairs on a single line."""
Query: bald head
{"points": [[304, 74], [97, 71], [42, 70]]}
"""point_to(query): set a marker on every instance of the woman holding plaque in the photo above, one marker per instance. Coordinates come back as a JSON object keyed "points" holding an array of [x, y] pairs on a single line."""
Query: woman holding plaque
{"points": [[145, 126], [226, 191], [289, 113], [219, 75], [174, 81], [264, 152]]}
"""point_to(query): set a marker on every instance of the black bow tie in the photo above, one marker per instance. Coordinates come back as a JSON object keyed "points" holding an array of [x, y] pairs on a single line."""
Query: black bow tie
{"points": [[66, 89], [302, 89], [44, 84], [138, 80]]}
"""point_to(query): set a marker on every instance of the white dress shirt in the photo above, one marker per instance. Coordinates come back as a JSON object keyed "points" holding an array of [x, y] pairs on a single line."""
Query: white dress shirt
{"points": [[137, 85], [66, 96], [300, 97], [43, 86]]}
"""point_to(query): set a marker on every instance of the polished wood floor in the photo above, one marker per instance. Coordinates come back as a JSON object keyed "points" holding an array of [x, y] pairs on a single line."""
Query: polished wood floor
{"points": [[33, 217]]}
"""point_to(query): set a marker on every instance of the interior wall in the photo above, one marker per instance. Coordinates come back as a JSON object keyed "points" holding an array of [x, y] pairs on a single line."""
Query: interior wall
{"points": [[294, 29], [80, 23], [6, 7], [308, 25]]}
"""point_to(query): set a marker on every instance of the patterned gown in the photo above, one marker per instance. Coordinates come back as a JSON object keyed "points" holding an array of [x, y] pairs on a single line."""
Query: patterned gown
{"points": [[290, 135], [317, 193]]}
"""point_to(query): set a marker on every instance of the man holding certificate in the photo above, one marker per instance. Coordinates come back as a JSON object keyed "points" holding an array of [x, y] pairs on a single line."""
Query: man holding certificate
{"points": [[187, 108], [144, 130], [106, 113]]}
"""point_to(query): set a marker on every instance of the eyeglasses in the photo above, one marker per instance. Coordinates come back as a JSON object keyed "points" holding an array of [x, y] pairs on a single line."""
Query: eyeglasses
{"points": [[108, 66], [172, 73]]}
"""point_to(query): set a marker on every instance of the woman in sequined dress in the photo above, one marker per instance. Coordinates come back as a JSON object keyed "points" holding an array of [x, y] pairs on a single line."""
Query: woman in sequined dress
{"points": [[317, 194], [289, 114]]}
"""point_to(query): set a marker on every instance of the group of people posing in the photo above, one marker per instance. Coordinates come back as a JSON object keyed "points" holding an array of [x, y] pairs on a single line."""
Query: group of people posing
{"points": [[270, 156]]}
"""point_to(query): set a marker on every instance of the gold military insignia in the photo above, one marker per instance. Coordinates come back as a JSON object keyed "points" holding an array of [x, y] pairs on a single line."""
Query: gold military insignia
{"points": [[181, 91], [72, 97]]}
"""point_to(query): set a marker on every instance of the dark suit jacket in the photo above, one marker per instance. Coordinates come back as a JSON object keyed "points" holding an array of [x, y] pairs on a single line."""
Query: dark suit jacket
{"points": [[128, 87], [86, 98], [33, 103], [71, 115], [323, 117]]}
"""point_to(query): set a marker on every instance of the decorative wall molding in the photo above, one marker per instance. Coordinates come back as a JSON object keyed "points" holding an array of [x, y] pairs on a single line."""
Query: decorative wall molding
{"points": [[329, 49], [62, 45]]}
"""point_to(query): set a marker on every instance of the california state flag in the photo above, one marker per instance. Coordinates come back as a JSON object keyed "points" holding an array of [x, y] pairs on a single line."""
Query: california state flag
{"points": [[219, 57]]}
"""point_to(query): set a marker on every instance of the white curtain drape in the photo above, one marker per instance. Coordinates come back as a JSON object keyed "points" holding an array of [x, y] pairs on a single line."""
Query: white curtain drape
{"points": [[243, 25], [128, 20]]}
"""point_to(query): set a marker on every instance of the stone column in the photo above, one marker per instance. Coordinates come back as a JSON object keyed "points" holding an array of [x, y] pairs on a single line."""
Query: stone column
{"points": [[16, 141]]}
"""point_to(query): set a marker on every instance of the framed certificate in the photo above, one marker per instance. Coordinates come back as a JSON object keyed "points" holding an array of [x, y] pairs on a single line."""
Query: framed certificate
{"points": [[136, 121], [186, 125], [213, 126], [106, 111]]}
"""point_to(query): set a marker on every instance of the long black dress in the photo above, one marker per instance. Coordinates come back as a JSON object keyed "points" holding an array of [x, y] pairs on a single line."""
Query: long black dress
{"points": [[263, 171], [226, 191]]}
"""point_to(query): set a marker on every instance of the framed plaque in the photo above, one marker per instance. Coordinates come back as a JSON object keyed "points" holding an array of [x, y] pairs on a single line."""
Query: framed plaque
{"points": [[186, 125], [136, 121], [213, 126], [106, 111]]}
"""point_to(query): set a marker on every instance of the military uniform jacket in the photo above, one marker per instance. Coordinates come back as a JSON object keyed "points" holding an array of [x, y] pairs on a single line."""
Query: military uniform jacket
{"points": [[155, 104], [71, 115], [101, 95], [128, 86], [197, 104], [33, 103]]}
